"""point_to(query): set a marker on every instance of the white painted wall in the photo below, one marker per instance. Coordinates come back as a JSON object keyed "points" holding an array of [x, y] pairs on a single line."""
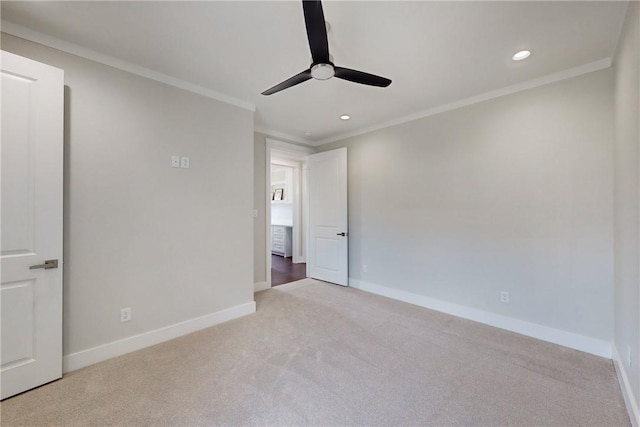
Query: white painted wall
{"points": [[172, 244], [282, 213], [512, 194], [627, 211]]}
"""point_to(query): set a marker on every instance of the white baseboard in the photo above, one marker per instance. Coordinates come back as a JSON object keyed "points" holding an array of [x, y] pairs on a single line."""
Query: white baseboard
{"points": [[83, 358], [629, 398], [568, 339], [260, 286]]}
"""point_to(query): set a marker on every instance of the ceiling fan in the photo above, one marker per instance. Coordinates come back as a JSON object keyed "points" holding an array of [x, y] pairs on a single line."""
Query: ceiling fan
{"points": [[322, 68]]}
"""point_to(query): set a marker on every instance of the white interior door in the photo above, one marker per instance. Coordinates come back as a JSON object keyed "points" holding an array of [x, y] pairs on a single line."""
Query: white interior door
{"points": [[328, 234], [31, 215]]}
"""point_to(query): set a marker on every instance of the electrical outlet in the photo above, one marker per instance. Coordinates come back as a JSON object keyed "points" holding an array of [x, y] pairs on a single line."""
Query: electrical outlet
{"points": [[184, 162], [504, 297], [125, 314], [364, 268], [628, 355], [175, 161], [255, 213]]}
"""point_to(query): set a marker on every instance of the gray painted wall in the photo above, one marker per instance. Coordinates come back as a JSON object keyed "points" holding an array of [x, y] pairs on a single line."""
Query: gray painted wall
{"points": [[172, 244], [513, 194], [259, 203], [627, 197]]}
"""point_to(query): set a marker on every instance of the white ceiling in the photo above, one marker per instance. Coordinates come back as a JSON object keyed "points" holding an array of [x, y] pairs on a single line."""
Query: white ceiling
{"points": [[436, 53]]}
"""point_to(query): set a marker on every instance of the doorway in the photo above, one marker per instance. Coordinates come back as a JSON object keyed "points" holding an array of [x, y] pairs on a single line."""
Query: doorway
{"points": [[286, 212], [283, 199]]}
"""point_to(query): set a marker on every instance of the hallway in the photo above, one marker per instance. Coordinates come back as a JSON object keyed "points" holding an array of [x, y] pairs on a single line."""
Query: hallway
{"points": [[283, 270]]}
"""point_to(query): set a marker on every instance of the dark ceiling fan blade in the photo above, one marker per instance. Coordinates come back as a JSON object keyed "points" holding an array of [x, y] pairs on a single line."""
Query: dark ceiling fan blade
{"points": [[316, 31], [361, 77], [295, 80]]}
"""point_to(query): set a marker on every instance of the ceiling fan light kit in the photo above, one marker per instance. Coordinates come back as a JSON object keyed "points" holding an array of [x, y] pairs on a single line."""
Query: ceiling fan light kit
{"points": [[322, 71], [322, 68]]}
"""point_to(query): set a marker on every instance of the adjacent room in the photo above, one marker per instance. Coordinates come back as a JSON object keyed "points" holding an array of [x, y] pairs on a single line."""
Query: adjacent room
{"points": [[320, 213], [287, 229]]}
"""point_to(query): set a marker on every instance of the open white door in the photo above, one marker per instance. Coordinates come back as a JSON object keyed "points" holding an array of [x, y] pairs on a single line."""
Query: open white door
{"points": [[31, 252], [328, 258]]}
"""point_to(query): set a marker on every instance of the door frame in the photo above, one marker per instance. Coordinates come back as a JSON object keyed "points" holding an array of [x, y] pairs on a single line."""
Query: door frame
{"points": [[293, 156]]}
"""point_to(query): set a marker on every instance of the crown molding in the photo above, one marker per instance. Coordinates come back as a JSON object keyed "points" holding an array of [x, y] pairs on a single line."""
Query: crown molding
{"points": [[280, 135], [508, 90], [74, 49], [275, 144]]}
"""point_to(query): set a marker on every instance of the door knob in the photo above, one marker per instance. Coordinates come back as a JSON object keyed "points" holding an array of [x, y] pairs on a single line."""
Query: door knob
{"points": [[341, 234], [50, 263]]}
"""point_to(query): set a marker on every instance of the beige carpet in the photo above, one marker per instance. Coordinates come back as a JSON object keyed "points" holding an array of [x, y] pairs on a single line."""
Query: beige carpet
{"points": [[319, 354]]}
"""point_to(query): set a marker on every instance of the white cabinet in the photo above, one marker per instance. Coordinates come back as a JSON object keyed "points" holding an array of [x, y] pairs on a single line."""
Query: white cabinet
{"points": [[281, 240]]}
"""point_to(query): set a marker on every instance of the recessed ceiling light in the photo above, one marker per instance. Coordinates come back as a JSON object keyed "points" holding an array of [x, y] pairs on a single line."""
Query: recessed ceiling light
{"points": [[519, 56], [308, 133], [345, 117]]}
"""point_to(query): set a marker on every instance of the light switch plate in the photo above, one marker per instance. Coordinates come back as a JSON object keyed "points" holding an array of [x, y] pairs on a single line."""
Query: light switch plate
{"points": [[175, 161]]}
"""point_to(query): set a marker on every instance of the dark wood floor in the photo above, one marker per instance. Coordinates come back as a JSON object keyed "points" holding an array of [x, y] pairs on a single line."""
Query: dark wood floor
{"points": [[284, 271]]}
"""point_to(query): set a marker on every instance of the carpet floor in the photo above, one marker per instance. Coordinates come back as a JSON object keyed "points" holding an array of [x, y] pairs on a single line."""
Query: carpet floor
{"points": [[319, 354]]}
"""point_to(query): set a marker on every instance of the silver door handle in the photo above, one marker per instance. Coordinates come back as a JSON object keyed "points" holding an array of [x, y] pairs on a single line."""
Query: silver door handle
{"points": [[341, 234], [50, 263]]}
